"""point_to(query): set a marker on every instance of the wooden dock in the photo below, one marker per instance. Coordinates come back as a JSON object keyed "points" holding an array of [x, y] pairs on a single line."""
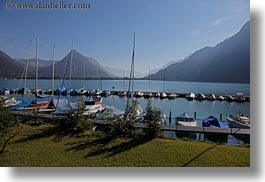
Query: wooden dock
{"points": [[197, 129]]}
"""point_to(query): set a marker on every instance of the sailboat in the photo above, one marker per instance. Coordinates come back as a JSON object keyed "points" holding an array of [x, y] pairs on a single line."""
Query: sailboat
{"points": [[83, 91], [123, 92], [35, 104], [163, 95], [24, 103], [130, 93], [148, 94]]}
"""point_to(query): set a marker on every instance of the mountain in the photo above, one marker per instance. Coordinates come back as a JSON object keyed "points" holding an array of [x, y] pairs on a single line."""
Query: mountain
{"points": [[9, 67], [120, 73], [92, 67], [162, 67], [32, 63], [228, 61]]}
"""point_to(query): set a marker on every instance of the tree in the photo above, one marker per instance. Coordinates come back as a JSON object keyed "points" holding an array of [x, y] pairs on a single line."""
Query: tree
{"points": [[75, 122], [8, 126], [153, 117]]}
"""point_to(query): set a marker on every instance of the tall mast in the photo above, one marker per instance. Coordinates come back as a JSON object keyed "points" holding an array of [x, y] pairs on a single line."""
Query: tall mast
{"points": [[84, 75], [130, 89], [149, 78], [71, 63], [53, 60], [164, 79], [123, 82], [37, 64], [133, 62], [26, 74]]}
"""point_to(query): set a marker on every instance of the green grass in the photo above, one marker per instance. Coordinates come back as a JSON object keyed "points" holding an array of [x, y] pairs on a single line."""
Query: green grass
{"points": [[37, 146]]}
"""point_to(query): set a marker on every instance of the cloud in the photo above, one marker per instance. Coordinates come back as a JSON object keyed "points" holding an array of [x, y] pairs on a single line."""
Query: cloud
{"points": [[217, 22]]}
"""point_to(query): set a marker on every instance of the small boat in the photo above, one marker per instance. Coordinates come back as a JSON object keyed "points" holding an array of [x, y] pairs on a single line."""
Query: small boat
{"points": [[122, 94], [139, 94], [10, 102], [82, 91], [60, 90], [48, 92], [240, 97], [239, 121], [200, 97], [229, 98], [73, 92], [105, 93], [148, 95], [156, 95], [190, 96], [163, 95], [185, 120], [109, 113], [93, 106], [172, 96], [213, 122], [221, 98], [211, 97]]}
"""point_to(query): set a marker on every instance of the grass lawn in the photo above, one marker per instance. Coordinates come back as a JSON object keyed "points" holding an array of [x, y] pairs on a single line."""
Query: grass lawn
{"points": [[38, 146]]}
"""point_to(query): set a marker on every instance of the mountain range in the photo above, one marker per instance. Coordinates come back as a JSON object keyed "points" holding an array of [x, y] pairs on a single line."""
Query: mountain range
{"points": [[228, 61]]}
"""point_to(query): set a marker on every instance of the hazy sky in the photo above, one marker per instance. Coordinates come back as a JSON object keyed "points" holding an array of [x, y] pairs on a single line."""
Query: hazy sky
{"points": [[166, 30]]}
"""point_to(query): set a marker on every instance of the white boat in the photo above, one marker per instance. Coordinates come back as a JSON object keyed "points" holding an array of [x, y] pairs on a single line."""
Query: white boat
{"points": [[211, 97], [190, 96], [10, 102], [163, 95], [109, 113], [239, 121], [200, 97], [172, 96], [139, 94], [185, 120], [221, 98]]}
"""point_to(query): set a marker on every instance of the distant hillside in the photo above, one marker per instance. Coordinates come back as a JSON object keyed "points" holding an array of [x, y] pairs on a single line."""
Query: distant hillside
{"points": [[9, 67], [92, 67], [32, 63], [229, 61], [120, 73]]}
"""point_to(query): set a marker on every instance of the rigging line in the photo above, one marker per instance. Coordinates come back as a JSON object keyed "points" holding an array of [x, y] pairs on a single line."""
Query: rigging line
{"points": [[66, 69]]}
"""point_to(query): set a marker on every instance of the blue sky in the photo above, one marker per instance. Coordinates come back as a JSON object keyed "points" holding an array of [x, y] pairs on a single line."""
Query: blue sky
{"points": [[166, 30]]}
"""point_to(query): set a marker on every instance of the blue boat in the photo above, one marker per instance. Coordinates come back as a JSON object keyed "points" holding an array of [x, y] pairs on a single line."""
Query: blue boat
{"points": [[213, 122]]}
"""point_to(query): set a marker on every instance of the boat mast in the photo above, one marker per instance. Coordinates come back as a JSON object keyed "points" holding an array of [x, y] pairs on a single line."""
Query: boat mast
{"points": [[53, 60], [164, 79], [84, 75], [37, 64], [130, 89], [149, 78], [133, 62], [123, 82], [26, 73], [71, 63]]}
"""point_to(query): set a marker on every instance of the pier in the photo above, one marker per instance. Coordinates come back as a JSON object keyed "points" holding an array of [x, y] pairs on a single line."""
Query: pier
{"points": [[197, 129]]}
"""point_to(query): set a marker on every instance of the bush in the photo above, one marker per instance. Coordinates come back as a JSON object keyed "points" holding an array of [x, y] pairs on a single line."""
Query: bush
{"points": [[8, 126], [75, 122]]}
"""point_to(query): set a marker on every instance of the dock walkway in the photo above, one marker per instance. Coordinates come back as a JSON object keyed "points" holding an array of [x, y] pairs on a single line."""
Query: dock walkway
{"points": [[197, 129]]}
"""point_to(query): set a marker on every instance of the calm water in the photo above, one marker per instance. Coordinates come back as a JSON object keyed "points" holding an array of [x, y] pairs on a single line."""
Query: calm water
{"points": [[176, 106], [143, 85]]}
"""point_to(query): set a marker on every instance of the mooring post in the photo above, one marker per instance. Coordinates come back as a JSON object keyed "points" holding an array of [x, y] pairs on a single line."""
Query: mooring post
{"points": [[221, 116], [170, 118], [195, 115]]}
